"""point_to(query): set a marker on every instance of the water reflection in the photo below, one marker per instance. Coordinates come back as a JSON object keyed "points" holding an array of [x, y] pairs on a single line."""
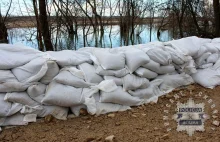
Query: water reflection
{"points": [[112, 37]]}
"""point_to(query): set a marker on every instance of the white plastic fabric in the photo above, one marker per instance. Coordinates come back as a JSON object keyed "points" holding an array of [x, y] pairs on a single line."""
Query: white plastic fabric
{"points": [[158, 55], [143, 72], [37, 92], [117, 73], [118, 81], [152, 65]]}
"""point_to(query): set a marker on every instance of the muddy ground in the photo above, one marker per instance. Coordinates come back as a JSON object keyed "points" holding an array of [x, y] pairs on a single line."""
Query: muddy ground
{"points": [[140, 124]]}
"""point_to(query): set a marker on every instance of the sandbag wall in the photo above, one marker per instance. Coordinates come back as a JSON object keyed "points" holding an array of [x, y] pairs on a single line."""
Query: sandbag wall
{"points": [[35, 84]]}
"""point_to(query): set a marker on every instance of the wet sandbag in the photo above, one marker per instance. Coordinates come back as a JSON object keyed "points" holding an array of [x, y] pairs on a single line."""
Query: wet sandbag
{"points": [[117, 73], [32, 71], [132, 82], [89, 73], [119, 97], [143, 72], [66, 78], [135, 58], [62, 95], [110, 60], [70, 57], [13, 56], [8, 108]]}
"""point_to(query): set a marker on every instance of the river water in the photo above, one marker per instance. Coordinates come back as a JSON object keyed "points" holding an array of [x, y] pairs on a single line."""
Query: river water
{"points": [[27, 36]]}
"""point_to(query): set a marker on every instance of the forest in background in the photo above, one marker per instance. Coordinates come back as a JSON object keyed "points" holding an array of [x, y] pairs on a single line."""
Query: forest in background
{"points": [[184, 18]]}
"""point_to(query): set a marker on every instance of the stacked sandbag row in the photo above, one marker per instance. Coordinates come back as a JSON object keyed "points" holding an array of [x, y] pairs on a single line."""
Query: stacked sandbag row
{"points": [[35, 84]]}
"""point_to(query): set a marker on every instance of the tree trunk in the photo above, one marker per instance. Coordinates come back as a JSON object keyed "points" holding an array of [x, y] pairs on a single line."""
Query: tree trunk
{"points": [[44, 25], [3, 33], [216, 7]]}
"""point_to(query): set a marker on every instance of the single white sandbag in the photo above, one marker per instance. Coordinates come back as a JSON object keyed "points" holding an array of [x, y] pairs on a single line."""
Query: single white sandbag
{"points": [[32, 71], [109, 60], [74, 71], [118, 81], [21, 98], [16, 119], [62, 95], [66, 78], [117, 73], [135, 58], [119, 97], [177, 57], [132, 82], [202, 60], [13, 56], [146, 73], [166, 69], [171, 82], [37, 91], [208, 78], [216, 40], [210, 47], [152, 65], [70, 57], [149, 92], [213, 58], [90, 74], [52, 71], [8, 108], [13, 86], [160, 56]]}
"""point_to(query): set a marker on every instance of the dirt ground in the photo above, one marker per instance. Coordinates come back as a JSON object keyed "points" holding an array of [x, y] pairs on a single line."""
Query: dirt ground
{"points": [[140, 124]]}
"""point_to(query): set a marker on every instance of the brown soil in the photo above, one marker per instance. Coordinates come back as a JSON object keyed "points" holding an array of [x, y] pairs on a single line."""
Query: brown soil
{"points": [[140, 124]]}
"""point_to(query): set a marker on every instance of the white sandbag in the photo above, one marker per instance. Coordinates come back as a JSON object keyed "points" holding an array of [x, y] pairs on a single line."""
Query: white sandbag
{"points": [[30, 118], [16, 119], [6, 76], [13, 86], [160, 56], [135, 59], [210, 47], [208, 78], [52, 71], [89, 73], [62, 95], [187, 46], [13, 56], [32, 71], [74, 71], [147, 93], [171, 82], [103, 108], [106, 85], [70, 57], [202, 60], [66, 78], [177, 58], [204, 66], [21, 98], [213, 58], [152, 65], [117, 73], [132, 82], [119, 97], [37, 92], [166, 69], [146, 73], [43, 110], [76, 109], [118, 81], [109, 60], [216, 40], [8, 108]]}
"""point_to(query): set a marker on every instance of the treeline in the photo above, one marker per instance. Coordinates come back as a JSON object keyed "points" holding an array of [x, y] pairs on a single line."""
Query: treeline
{"points": [[182, 17]]}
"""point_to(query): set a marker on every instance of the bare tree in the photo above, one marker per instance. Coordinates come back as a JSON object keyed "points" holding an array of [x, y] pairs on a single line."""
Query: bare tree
{"points": [[216, 6]]}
